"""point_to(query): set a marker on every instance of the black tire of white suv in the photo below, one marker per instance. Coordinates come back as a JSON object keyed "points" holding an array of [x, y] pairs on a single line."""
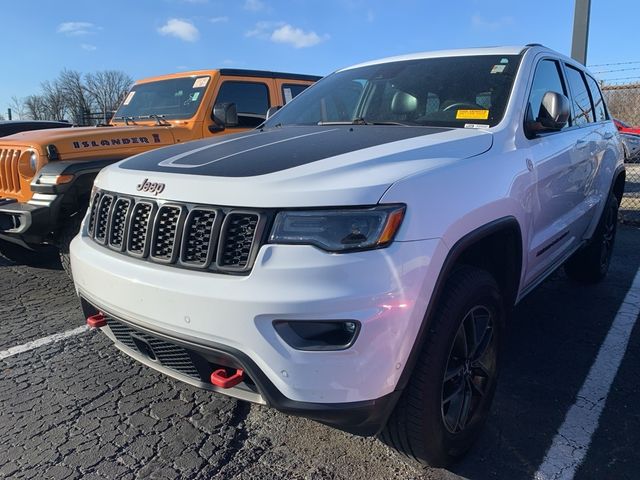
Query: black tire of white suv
{"points": [[590, 264], [451, 379]]}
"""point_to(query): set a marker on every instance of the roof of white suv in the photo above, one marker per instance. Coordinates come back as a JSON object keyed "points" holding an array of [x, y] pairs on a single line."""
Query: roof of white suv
{"points": [[507, 50]]}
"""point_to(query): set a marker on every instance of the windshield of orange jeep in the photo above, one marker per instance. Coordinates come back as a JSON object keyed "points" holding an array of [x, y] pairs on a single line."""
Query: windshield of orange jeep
{"points": [[465, 91], [171, 99]]}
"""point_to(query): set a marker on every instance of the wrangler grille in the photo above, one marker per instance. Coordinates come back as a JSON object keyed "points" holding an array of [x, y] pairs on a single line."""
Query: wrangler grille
{"points": [[190, 236], [9, 174]]}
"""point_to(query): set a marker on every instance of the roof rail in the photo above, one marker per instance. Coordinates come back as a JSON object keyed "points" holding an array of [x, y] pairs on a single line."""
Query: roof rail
{"points": [[237, 72]]}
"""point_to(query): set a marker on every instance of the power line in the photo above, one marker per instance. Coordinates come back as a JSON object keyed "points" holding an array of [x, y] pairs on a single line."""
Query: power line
{"points": [[612, 64], [617, 70]]}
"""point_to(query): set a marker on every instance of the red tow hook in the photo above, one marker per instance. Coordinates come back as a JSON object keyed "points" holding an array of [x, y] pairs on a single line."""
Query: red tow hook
{"points": [[97, 321], [221, 378]]}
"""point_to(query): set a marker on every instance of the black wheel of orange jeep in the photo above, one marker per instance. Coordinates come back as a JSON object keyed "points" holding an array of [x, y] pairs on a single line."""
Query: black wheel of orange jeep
{"points": [[591, 264], [444, 406], [65, 236]]}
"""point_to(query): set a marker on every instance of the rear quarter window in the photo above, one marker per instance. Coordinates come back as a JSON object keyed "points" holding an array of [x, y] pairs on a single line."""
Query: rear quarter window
{"points": [[599, 108], [580, 97]]}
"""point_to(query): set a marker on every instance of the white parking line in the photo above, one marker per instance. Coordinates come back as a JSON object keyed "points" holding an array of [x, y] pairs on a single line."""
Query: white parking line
{"points": [[56, 337], [571, 443]]}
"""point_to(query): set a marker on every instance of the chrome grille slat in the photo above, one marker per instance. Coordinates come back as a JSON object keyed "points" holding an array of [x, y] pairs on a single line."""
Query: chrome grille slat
{"points": [[199, 240], [138, 230], [237, 240], [118, 225], [189, 236], [165, 239], [102, 219]]}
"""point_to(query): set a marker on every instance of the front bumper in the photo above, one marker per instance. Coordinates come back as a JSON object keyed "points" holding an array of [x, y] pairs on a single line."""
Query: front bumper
{"points": [[386, 290], [28, 223]]}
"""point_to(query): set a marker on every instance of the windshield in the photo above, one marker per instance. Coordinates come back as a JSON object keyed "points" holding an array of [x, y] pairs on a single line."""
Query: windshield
{"points": [[176, 98], [451, 92]]}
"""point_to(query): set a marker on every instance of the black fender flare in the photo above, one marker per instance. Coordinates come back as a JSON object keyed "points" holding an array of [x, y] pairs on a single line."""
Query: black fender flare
{"points": [[455, 253], [78, 168], [68, 199]]}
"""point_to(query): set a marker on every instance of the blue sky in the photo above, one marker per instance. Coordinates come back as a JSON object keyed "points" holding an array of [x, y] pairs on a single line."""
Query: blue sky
{"points": [[150, 37]]}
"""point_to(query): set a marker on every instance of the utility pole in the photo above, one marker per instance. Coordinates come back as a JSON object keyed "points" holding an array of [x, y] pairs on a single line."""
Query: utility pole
{"points": [[9, 114], [581, 31]]}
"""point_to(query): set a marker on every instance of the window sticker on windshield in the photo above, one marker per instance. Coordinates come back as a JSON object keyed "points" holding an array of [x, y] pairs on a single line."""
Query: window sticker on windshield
{"points": [[194, 96], [127, 100], [504, 60], [472, 114], [201, 82], [476, 125], [498, 68], [288, 96]]}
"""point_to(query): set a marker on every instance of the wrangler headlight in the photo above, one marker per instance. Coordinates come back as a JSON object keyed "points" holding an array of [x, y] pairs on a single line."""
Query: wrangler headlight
{"points": [[33, 161], [339, 230]]}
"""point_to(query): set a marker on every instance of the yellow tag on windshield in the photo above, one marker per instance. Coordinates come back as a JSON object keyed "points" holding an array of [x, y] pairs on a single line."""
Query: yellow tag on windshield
{"points": [[472, 114]]}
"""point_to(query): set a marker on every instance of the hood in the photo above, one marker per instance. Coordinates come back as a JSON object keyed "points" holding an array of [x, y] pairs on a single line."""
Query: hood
{"points": [[99, 141], [295, 166]]}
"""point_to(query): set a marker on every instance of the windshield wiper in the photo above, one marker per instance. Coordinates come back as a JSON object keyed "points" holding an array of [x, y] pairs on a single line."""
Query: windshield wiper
{"points": [[160, 120], [125, 119], [361, 121]]}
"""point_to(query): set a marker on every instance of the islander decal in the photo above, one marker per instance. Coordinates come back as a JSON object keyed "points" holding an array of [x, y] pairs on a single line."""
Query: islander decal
{"points": [[155, 138]]}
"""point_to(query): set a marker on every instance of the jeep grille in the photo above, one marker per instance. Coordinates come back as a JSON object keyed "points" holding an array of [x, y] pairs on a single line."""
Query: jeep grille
{"points": [[9, 176], [184, 235]]}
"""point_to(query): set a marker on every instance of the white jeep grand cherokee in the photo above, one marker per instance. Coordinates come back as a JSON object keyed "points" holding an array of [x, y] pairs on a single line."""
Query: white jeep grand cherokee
{"points": [[354, 259]]}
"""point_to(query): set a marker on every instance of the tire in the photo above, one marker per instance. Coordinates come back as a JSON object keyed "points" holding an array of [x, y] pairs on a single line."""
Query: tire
{"points": [[65, 236], [38, 257], [591, 263], [424, 426]]}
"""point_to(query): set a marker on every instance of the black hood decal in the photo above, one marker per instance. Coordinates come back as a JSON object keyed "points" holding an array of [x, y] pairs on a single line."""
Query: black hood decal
{"points": [[259, 152]]}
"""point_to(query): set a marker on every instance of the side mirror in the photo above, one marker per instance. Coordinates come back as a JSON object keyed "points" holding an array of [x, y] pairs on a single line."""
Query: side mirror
{"points": [[224, 115], [553, 114], [272, 111]]}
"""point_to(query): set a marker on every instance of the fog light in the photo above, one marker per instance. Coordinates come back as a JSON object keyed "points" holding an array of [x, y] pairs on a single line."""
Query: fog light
{"points": [[318, 335]]}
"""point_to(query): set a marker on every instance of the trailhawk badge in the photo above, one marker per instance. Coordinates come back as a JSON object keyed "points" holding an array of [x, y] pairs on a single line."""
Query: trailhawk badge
{"points": [[151, 187]]}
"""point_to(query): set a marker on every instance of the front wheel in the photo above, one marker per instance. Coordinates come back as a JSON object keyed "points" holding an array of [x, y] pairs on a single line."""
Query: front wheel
{"points": [[444, 406], [66, 235], [591, 264]]}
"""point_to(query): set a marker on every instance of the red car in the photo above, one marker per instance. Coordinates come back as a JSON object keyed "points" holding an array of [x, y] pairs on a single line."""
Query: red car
{"points": [[630, 137], [624, 128]]}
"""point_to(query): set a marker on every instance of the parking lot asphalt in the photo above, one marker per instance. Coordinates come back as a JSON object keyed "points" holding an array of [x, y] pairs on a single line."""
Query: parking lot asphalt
{"points": [[78, 408]]}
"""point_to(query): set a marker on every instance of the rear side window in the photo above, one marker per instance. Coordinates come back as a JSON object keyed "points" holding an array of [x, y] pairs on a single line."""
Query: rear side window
{"points": [[582, 108], [251, 99], [546, 79], [598, 103], [291, 91]]}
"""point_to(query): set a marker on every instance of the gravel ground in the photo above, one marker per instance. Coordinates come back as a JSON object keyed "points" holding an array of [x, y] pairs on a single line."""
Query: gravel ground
{"points": [[79, 408]]}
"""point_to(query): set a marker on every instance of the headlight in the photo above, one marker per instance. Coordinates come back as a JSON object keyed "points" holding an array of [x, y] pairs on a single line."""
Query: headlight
{"points": [[339, 230], [28, 165], [33, 161]]}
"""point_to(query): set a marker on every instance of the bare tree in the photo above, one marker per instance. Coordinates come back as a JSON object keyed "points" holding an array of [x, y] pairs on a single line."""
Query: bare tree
{"points": [[35, 107], [1, 117], [54, 99], [17, 106], [77, 97], [107, 89]]}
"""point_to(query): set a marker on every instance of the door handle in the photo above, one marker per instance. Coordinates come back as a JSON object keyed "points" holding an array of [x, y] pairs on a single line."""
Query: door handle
{"points": [[608, 136], [580, 144]]}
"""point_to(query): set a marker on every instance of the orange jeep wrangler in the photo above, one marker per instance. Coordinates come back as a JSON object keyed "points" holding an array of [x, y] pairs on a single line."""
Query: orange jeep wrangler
{"points": [[46, 176]]}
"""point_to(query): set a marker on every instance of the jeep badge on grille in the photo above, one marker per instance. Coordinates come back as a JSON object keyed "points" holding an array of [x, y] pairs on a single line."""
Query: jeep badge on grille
{"points": [[151, 187]]}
